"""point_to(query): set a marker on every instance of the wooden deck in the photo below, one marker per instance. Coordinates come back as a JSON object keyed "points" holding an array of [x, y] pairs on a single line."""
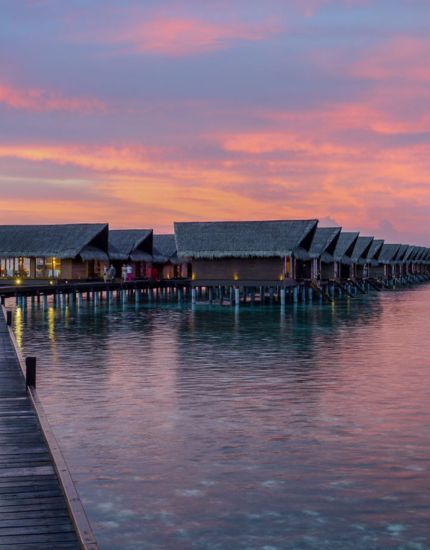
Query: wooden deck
{"points": [[33, 508]]}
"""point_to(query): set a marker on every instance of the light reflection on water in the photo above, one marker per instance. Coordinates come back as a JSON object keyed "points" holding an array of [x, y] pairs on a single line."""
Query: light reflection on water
{"points": [[217, 428]]}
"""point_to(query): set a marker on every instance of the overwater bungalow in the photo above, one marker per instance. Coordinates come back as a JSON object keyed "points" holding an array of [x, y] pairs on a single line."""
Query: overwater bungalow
{"points": [[165, 262], [359, 267], [407, 261], [386, 260], [400, 261], [321, 252], [425, 261], [71, 251], [239, 252], [343, 255], [131, 247], [375, 269]]}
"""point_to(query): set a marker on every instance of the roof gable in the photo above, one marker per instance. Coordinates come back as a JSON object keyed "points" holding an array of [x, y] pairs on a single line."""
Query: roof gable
{"points": [[325, 240], [375, 249], [361, 248], [123, 243], [164, 248], [345, 245], [388, 252]]}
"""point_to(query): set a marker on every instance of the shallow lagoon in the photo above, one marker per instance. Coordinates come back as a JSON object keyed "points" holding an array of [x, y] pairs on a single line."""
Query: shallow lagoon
{"points": [[213, 428]]}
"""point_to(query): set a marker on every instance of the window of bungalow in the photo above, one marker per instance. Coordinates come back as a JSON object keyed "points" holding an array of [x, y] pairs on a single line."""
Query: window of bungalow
{"points": [[54, 267], [41, 268], [24, 267]]}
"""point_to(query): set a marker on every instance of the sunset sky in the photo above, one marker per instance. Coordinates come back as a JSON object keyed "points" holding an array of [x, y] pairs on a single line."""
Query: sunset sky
{"points": [[141, 113]]}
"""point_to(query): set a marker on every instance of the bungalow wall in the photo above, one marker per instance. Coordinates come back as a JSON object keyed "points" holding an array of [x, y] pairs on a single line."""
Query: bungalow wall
{"points": [[327, 271], [377, 272], [244, 269], [75, 269]]}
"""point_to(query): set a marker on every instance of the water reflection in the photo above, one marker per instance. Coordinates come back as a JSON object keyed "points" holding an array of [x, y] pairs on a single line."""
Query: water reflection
{"points": [[217, 427]]}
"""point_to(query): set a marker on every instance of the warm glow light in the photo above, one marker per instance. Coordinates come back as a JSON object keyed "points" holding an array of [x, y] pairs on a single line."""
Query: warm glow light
{"points": [[236, 277], [18, 281]]}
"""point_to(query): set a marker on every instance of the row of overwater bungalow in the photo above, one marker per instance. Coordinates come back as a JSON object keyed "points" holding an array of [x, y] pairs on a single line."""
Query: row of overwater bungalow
{"points": [[241, 254], [84, 251]]}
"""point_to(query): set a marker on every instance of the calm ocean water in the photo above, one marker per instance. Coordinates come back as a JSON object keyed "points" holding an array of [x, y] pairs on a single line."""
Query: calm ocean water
{"points": [[220, 429]]}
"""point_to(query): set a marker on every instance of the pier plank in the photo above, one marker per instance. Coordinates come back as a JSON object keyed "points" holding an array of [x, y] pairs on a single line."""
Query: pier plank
{"points": [[33, 511]]}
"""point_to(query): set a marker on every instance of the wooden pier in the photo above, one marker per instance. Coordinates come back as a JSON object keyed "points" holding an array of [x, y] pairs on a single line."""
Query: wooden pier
{"points": [[39, 506]]}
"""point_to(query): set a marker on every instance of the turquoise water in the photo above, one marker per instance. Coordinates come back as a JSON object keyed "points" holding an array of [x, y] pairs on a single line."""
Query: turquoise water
{"points": [[212, 428]]}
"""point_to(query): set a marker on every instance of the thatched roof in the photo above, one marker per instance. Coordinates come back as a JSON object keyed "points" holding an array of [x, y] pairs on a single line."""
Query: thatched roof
{"points": [[419, 253], [88, 240], [90, 252], [130, 244], [164, 249], [400, 256], [324, 242], [388, 253], [415, 253], [375, 249], [409, 254], [251, 239], [345, 246], [361, 249]]}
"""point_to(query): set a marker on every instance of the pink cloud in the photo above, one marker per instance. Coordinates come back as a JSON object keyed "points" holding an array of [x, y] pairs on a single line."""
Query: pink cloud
{"points": [[34, 99], [185, 36], [404, 58]]}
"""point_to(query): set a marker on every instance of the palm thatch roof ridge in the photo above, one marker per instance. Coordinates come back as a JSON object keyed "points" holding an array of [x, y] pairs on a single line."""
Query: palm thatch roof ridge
{"points": [[243, 239], [62, 241], [130, 244]]}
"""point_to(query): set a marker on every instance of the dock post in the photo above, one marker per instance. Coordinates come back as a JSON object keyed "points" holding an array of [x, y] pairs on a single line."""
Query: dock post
{"points": [[310, 294], [9, 318], [30, 372], [282, 296], [179, 295], [271, 295], [237, 296], [296, 294], [210, 297], [193, 295], [261, 295], [303, 293]]}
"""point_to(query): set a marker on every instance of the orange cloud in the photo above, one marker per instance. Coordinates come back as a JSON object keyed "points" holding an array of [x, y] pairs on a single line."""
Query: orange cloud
{"points": [[103, 159], [33, 99], [182, 36], [261, 142]]}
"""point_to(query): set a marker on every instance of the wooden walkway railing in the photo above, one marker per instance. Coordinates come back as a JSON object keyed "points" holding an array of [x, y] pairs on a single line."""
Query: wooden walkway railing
{"points": [[39, 505]]}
